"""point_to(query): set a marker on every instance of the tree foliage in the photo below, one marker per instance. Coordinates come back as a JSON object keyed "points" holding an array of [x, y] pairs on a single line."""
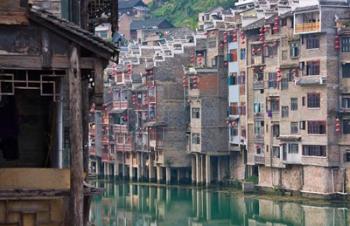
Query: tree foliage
{"points": [[184, 13]]}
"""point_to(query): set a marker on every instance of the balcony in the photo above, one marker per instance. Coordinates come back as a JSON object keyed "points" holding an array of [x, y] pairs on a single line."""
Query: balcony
{"points": [[105, 140], [124, 147], [259, 139], [257, 60], [257, 85], [152, 99], [307, 27], [312, 80], [289, 158], [120, 128], [118, 105], [92, 150], [105, 157], [259, 159]]}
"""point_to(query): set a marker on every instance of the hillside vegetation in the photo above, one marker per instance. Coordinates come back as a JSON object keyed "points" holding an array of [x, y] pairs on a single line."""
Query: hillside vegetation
{"points": [[184, 13]]}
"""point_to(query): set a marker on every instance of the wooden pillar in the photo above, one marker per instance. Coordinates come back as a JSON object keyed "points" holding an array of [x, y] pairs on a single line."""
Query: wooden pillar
{"points": [[85, 115], [76, 140]]}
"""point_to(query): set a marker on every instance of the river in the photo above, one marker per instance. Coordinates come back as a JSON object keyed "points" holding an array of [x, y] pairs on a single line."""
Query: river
{"points": [[126, 204]]}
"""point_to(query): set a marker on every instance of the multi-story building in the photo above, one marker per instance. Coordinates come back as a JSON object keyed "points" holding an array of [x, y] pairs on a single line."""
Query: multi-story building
{"points": [[207, 91], [293, 91]]}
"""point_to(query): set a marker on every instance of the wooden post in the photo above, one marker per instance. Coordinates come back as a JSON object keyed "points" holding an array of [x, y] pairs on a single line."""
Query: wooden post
{"points": [[76, 140], [85, 116]]}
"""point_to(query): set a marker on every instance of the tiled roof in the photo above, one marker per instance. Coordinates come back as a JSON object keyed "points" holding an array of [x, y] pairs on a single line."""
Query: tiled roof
{"points": [[74, 33]]}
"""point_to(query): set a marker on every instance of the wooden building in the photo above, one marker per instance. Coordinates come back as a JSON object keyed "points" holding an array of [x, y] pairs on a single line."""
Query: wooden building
{"points": [[50, 72]]}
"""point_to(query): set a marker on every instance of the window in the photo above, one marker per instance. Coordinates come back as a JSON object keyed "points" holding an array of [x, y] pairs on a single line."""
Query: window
{"points": [[276, 152], [195, 113], [272, 80], [241, 78], [233, 131], [346, 70], [345, 44], [313, 100], [275, 104], [294, 127], [294, 49], [346, 126], [284, 84], [347, 156], [259, 128], [316, 127], [259, 76], [293, 104], [233, 55], [242, 57], [312, 42], [270, 51], [232, 79], [242, 109], [276, 130], [314, 150], [302, 125], [285, 111], [234, 109], [293, 148], [345, 102], [258, 107], [313, 68], [196, 138]]}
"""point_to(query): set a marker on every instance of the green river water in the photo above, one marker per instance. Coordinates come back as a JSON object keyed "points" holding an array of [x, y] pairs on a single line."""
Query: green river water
{"points": [[126, 204]]}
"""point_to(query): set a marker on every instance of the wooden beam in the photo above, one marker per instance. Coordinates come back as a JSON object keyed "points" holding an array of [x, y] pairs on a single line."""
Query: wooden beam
{"points": [[76, 139], [26, 62], [98, 95]]}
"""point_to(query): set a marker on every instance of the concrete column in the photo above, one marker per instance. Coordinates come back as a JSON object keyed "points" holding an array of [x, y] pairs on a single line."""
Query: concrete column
{"points": [[138, 161], [131, 170], [168, 196], [116, 166], [208, 205], [150, 168], [198, 169], [178, 174], [207, 170], [159, 174], [193, 173], [123, 165], [168, 175], [202, 169], [142, 164], [219, 169], [199, 206]]}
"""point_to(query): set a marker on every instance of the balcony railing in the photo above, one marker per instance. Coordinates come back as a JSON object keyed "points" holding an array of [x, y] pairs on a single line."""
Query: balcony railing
{"points": [[259, 159], [124, 147], [92, 151], [258, 85], [259, 139], [307, 27], [119, 105], [120, 128], [257, 60], [105, 140]]}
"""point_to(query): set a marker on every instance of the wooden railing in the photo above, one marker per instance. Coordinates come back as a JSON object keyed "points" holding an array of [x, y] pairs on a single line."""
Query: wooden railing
{"points": [[307, 27]]}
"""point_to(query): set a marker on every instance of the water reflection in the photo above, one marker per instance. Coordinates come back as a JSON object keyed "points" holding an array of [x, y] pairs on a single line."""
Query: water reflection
{"points": [[139, 205]]}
